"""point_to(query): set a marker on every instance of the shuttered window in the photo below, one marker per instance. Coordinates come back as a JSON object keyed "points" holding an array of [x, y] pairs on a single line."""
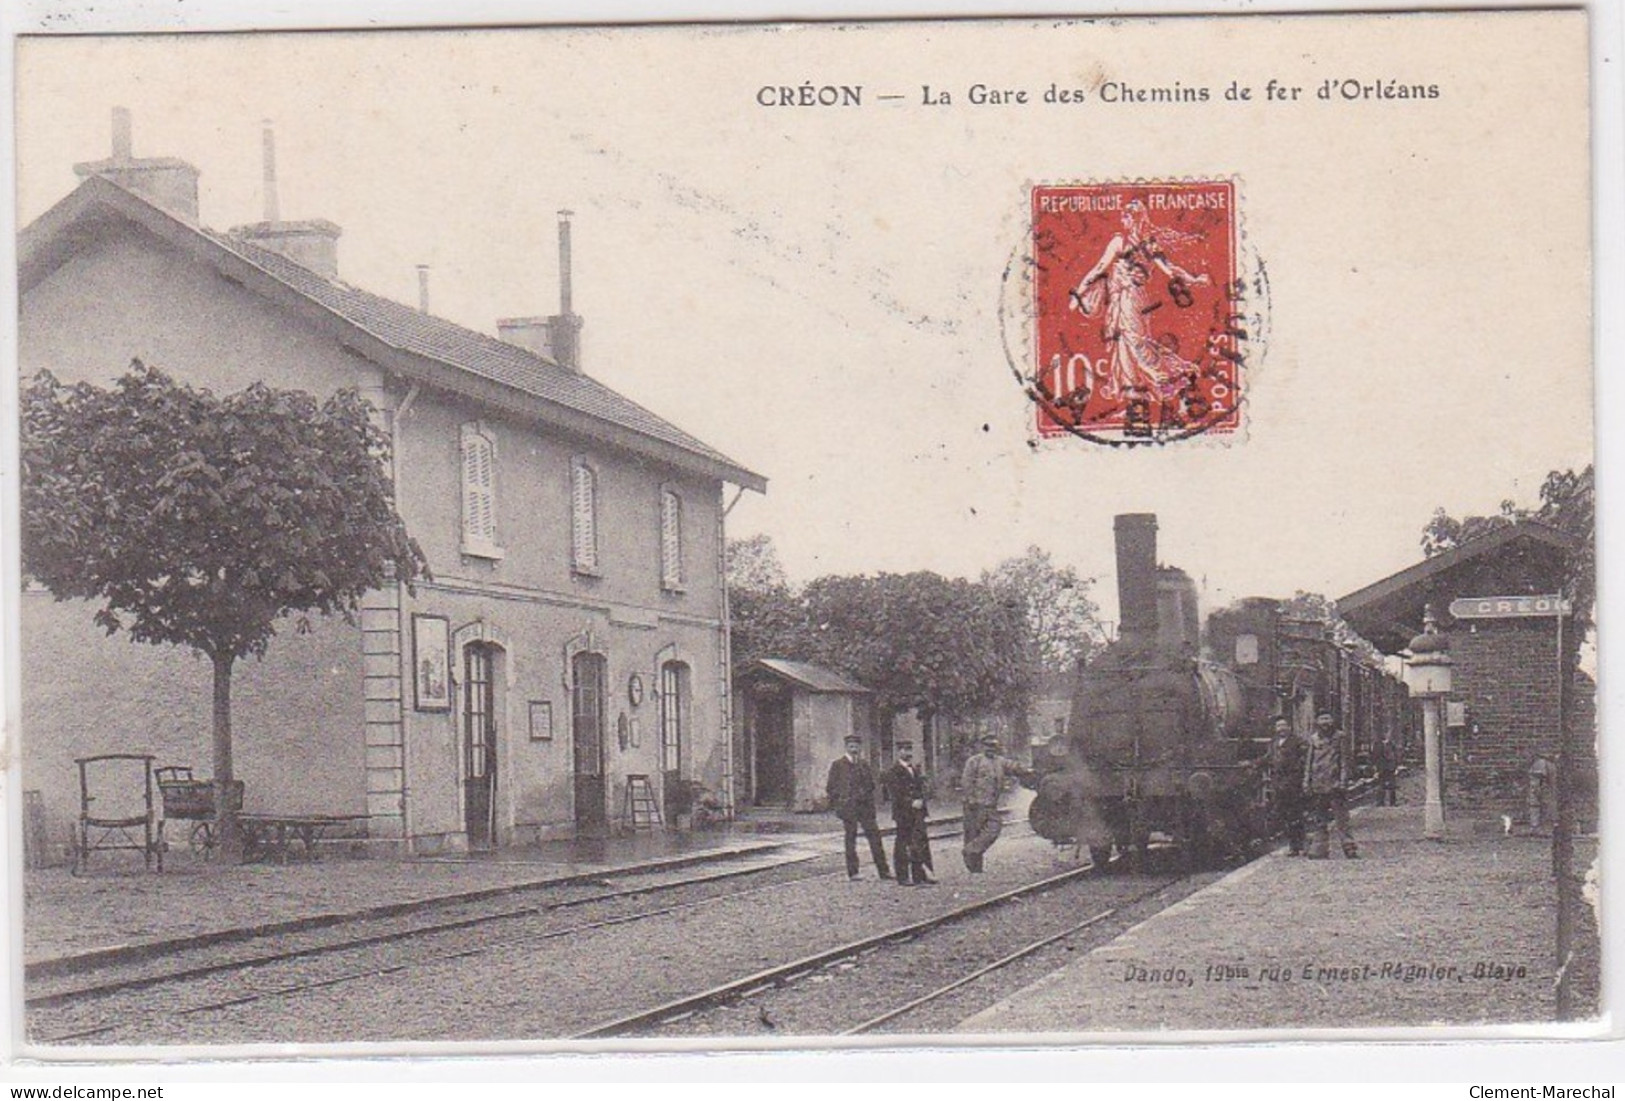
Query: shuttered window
{"points": [[583, 516], [479, 492], [671, 539]]}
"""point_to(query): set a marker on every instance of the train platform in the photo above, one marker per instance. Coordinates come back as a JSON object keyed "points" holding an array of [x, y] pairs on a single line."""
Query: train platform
{"points": [[1458, 931], [118, 910]]}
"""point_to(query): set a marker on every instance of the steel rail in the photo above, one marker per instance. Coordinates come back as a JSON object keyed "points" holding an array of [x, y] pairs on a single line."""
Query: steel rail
{"points": [[61, 997], [998, 964], [724, 992]]}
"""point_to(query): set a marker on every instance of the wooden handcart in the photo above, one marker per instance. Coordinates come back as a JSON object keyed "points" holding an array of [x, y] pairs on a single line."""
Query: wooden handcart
{"points": [[188, 799]]}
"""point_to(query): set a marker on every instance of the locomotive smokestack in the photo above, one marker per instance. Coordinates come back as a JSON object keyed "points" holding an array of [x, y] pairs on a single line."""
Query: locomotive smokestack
{"points": [[1137, 576]]}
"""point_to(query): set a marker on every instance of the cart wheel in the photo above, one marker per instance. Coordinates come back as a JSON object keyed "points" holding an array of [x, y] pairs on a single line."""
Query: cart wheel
{"points": [[201, 840]]}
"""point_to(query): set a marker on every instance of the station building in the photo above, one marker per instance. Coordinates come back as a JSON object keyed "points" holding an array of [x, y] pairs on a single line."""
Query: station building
{"points": [[574, 633], [1502, 714]]}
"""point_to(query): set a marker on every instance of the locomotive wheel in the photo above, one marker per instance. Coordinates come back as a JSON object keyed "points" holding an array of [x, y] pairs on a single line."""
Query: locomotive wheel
{"points": [[1100, 856]]}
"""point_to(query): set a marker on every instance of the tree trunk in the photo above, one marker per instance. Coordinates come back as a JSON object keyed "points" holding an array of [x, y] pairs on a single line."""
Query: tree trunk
{"points": [[227, 835]]}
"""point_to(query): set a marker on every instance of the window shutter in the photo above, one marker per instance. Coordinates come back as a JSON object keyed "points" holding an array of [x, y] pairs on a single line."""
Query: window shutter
{"points": [[583, 524], [479, 489], [671, 539]]}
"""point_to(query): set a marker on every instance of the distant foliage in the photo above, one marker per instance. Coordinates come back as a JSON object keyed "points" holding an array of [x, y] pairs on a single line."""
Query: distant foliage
{"points": [[946, 646], [767, 616], [1063, 621], [1567, 502]]}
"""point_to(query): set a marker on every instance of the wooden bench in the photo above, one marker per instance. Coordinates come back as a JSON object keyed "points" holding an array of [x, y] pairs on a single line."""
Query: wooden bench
{"points": [[272, 836]]}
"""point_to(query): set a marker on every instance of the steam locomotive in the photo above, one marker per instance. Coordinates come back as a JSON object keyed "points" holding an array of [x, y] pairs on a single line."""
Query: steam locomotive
{"points": [[1170, 729]]}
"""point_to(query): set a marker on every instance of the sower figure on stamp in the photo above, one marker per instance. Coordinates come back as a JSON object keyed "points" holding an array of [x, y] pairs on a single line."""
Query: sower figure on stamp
{"points": [[1323, 786], [1385, 756], [851, 791], [911, 849], [1286, 785], [980, 787]]}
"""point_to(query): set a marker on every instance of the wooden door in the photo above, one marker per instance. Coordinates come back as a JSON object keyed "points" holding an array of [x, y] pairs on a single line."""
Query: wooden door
{"points": [[775, 751], [479, 745], [673, 736], [587, 707]]}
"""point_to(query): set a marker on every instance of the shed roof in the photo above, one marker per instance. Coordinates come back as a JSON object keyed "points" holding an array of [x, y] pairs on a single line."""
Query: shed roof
{"points": [[814, 678], [1525, 557], [415, 344]]}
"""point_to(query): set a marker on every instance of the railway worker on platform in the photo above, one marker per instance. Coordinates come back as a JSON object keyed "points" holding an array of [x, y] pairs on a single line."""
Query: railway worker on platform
{"points": [[1286, 785], [980, 787], [851, 791], [1324, 787], [1385, 757], [904, 784]]}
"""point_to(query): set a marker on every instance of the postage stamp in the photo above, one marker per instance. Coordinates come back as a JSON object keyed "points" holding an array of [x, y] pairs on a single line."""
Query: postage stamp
{"points": [[1140, 318]]}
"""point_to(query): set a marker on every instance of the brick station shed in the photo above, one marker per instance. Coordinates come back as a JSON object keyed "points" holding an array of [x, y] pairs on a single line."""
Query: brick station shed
{"points": [[1502, 713]]}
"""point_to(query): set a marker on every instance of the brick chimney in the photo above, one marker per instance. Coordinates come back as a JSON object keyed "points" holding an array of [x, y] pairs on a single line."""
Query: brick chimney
{"points": [[312, 243], [164, 182], [558, 337]]}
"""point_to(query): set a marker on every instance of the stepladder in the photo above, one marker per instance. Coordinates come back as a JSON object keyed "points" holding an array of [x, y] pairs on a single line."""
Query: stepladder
{"points": [[640, 809]]}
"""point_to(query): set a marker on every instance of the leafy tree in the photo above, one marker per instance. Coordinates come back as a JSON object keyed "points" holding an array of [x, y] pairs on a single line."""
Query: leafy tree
{"points": [[920, 640], [205, 521], [765, 614], [1567, 502], [1062, 619]]}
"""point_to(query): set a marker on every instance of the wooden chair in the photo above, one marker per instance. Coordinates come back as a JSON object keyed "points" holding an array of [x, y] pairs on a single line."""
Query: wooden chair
{"points": [[117, 810]]}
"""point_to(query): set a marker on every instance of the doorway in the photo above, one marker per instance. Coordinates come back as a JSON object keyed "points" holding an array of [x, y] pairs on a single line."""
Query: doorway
{"points": [[587, 677], [673, 737], [775, 778], [479, 744]]}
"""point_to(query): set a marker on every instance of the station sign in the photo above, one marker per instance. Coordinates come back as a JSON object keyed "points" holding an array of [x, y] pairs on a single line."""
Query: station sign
{"points": [[1508, 607]]}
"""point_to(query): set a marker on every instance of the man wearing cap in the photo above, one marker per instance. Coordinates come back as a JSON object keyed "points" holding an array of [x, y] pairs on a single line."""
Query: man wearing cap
{"points": [[851, 791], [911, 848], [980, 787], [1323, 788]]}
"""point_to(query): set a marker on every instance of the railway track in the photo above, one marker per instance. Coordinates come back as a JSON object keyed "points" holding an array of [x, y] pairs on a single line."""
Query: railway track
{"points": [[60, 993], [285, 978], [681, 1011]]}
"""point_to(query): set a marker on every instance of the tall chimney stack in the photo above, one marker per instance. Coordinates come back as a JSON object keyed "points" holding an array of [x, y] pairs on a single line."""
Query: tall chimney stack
{"points": [[564, 262], [566, 327], [165, 182], [122, 146], [423, 288], [1137, 576], [311, 243], [268, 145]]}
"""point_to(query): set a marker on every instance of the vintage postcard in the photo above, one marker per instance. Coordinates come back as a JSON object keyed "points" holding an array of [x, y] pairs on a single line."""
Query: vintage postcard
{"points": [[847, 534]]}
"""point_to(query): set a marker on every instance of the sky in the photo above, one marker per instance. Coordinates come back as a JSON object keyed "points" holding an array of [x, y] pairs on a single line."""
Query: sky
{"points": [[819, 293]]}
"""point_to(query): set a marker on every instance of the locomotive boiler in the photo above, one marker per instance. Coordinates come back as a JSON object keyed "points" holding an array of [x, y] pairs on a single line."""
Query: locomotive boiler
{"points": [[1158, 746], [1170, 727]]}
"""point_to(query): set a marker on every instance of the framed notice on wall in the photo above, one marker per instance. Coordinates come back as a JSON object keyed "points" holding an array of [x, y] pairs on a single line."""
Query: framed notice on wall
{"points": [[431, 649], [541, 720]]}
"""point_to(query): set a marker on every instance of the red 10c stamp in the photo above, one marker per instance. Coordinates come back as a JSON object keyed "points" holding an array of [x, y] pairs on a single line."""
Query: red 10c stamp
{"points": [[1140, 325]]}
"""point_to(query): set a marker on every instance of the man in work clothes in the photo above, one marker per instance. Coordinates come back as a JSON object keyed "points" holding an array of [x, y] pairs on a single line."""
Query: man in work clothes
{"points": [[1323, 788], [1286, 785], [980, 788], [911, 849], [851, 791], [1385, 756]]}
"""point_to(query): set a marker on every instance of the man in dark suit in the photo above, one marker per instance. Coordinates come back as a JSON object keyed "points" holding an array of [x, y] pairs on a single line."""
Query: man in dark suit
{"points": [[911, 849], [851, 791], [1385, 755]]}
